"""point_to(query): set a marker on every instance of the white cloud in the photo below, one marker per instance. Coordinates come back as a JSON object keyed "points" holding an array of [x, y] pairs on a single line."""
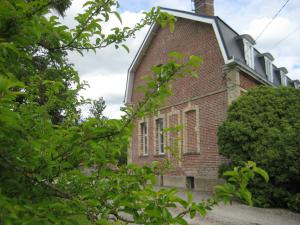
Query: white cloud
{"points": [[286, 53], [106, 71]]}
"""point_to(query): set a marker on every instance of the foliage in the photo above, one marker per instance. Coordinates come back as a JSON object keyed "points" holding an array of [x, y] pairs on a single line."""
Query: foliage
{"points": [[97, 108], [264, 126], [57, 169]]}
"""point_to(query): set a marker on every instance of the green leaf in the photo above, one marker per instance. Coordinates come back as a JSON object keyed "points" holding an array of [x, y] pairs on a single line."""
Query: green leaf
{"points": [[92, 3], [189, 197], [181, 221], [126, 48], [192, 213], [176, 55], [262, 173], [172, 27], [201, 210], [247, 196], [118, 16], [194, 74]]}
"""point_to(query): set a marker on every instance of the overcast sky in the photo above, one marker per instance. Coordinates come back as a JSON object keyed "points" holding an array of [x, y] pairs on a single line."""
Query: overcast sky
{"points": [[106, 71]]}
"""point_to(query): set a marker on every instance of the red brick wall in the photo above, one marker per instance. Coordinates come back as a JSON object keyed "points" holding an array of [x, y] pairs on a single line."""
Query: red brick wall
{"points": [[247, 82], [190, 37], [206, 93]]}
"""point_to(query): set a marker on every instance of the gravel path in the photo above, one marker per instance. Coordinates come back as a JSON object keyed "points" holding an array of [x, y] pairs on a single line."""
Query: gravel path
{"points": [[238, 214]]}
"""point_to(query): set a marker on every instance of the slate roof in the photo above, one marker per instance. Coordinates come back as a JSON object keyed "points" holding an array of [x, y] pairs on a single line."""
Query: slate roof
{"points": [[235, 49]]}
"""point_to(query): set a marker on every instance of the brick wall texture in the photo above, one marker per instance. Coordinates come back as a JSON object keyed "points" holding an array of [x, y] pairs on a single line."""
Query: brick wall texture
{"points": [[205, 96]]}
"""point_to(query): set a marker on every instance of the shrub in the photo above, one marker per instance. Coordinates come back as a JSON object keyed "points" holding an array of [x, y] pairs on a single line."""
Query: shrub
{"points": [[264, 126]]}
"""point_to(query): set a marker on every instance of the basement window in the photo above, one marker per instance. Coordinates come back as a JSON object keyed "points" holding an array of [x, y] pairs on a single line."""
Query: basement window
{"points": [[190, 182]]}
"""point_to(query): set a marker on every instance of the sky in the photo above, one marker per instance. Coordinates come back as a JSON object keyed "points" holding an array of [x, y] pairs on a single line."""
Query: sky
{"points": [[106, 71]]}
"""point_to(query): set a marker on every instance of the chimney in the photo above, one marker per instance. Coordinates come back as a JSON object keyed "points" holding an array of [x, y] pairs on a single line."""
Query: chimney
{"points": [[204, 7]]}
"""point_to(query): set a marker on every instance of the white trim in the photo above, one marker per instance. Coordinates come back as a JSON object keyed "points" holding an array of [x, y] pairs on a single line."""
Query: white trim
{"points": [[130, 75], [283, 78], [152, 32], [249, 53], [155, 118], [269, 69], [142, 148]]}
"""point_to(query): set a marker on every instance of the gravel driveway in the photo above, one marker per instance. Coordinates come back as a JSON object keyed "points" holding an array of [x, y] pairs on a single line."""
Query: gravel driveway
{"points": [[238, 214]]}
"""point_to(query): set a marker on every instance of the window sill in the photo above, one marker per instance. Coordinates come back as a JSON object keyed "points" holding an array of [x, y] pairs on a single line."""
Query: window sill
{"points": [[191, 153], [144, 156], [159, 155]]}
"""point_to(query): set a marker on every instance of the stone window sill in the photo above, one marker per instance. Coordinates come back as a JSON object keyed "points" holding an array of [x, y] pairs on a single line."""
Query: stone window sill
{"points": [[191, 153]]}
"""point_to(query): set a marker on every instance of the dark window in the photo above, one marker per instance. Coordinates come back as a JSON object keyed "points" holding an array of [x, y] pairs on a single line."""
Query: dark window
{"points": [[144, 138], [160, 136], [190, 182]]}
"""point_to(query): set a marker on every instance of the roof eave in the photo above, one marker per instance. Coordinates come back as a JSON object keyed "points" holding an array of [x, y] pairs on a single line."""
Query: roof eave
{"points": [[250, 72]]}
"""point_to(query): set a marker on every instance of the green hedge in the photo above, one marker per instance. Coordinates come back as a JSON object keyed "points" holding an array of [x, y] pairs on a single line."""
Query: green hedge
{"points": [[264, 126]]}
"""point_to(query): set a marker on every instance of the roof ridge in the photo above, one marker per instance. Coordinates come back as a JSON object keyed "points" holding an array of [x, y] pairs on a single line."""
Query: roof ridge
{"points": [[188, 12]]}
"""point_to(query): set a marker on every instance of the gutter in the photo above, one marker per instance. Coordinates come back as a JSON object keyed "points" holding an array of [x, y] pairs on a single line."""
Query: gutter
{"points": [[248, 71]]}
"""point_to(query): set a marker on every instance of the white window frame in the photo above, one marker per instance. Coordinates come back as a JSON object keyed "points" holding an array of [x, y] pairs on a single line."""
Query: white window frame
{"points": [[144, 140], [160, 137], [269, 69], [249, 53], [283, 78]]}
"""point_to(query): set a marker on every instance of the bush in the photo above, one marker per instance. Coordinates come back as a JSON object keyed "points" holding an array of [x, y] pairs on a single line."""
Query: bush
{"points": [[264, 126], [294, 202]]}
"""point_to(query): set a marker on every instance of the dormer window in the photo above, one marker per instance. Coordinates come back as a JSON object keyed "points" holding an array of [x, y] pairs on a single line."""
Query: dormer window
{"points": [[283, 78], [297, 84], [248, 43], [269, 66], [249, 53], [269, 69]]}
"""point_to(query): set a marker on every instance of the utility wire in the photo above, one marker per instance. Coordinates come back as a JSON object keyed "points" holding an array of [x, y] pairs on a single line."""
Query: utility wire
{"points": [[285, 38], [267, 26], [274, 17]]}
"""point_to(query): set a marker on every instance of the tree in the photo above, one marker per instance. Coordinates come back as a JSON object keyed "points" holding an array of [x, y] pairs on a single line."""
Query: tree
{"points": [[264, 126], [97, 108], [57, 169]]}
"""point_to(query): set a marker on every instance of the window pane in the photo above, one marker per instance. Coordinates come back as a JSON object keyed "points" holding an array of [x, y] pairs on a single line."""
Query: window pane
{"points": [[159, 135], [144, 140]]}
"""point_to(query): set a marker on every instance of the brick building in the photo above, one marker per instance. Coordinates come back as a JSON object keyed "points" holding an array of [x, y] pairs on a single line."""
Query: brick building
{"points": [[231, 66]]}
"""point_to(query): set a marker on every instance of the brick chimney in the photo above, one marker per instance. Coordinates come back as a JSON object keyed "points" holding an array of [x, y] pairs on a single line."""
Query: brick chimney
{"points": [[204, 7]]}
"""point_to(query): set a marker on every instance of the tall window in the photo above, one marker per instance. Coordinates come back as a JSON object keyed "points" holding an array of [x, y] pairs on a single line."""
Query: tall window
{"points": [[144, 138], [269, 69], [283, 79], [249, 53], [160, 136], [191, 134]]}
